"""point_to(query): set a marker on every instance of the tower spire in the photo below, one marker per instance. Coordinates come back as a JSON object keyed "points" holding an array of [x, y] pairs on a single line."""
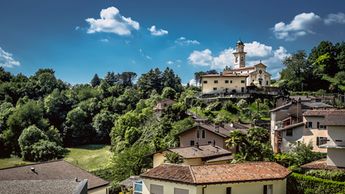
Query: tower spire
{"points": [[240, 55]]}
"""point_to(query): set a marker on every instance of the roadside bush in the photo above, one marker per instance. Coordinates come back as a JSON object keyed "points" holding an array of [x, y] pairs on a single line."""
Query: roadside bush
{"points": [[334, 175], [302, 184], [104, 173]]}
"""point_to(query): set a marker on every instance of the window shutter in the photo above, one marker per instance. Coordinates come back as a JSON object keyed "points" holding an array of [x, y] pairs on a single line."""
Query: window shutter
{"points": [[228, 190], [265, 189]]}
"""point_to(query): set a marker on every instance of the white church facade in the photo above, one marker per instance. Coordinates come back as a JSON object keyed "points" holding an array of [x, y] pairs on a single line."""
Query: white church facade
{"points": [[236, 80]]}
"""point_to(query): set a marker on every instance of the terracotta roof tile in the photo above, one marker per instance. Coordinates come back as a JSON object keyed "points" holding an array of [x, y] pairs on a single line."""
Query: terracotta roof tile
{"points": [[218, 173]]}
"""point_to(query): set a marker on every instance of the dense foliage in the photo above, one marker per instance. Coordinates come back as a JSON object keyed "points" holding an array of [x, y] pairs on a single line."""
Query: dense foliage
{"points": [[303, 184], [252, 146], [66, 115], [299, 154], [334, 175], [322, 69]]}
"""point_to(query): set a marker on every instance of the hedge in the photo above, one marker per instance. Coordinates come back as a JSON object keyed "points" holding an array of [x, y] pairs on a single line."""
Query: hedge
{"points": [[303, 184]]}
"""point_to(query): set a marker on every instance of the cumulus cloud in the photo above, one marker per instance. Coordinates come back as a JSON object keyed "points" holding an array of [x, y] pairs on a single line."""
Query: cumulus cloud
{"points": [[256, 51], [183, 41], [7, 60], [301, 25], [104, 40], [157, 32], [335, 18], [111, 21]]}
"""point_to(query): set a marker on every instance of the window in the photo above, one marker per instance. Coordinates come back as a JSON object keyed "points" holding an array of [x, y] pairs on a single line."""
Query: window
{"points": [[156, 189], [138, 187], [322, 126], [228, 190], [266, 83], [192, 142], [203, 134], [242, 81], [321, 140], [214, 88], [198, 133], [216, 81], [318, 125], [226, 81], [268, 189], [242, 89], [231, 81], [289, 132], [309, 124], [180, 191], [205, 82], [209, 142]]}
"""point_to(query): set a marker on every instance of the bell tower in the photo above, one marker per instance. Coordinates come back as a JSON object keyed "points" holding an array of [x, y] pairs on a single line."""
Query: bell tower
{"points": [[240, 55]]}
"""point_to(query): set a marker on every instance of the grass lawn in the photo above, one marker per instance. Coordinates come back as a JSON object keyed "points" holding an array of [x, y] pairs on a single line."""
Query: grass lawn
{"points": [[88, 157], [13, 161]]}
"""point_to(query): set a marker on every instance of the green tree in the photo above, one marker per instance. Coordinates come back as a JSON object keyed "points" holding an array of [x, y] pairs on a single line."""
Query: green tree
{"points": [[30, 136], [30, 113], [296, 71], [102, 123], [168, 93], [95, 81], [77, 130]]}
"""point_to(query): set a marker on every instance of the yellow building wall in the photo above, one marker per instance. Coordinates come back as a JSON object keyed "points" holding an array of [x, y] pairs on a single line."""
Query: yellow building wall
{"points": [[221, 85], [279, 187], [310, 134], [101, 190], [167, 186], [158, 159]]}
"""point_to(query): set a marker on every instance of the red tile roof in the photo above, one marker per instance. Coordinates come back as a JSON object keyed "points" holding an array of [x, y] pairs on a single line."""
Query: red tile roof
{"points": [[332, 116], [218, 173]]}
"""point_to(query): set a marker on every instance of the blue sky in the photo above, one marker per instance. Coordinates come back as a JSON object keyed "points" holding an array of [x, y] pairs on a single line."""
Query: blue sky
{"points": [[82, 37]]}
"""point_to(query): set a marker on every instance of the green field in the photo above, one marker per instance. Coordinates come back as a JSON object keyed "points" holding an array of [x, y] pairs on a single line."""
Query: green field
{"points": [[13, 161], [88, 157]]}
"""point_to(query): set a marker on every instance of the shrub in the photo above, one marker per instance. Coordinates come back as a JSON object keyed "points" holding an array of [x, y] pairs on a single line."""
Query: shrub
{"points": [[35, 145], [302, 184], [45, 150], [334, 175]]}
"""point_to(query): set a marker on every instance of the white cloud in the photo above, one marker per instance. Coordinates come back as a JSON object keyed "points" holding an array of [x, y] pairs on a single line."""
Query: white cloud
{"points": [[111, 21], [7, 60], [272, 58], [157, 32], [183, 41], [301, 25], [104, 40], [170, 62], [202, 58], [192, 82], [335, 18]]}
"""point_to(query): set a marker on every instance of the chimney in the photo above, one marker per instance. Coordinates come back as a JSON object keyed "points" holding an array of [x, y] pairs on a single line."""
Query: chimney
{"points": [[216, 128], [33, 169]]}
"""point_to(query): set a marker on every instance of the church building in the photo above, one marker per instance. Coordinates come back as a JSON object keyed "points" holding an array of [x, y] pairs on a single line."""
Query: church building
{"points": [[238, 79]]}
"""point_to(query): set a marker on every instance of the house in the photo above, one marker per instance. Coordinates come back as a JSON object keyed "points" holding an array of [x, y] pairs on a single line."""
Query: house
{"points": [[195, 155], [335, 143], [287, 123], [127, 184], [162, 105], [251, 177], [50, 177], [238, 79], [206, 133]]}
